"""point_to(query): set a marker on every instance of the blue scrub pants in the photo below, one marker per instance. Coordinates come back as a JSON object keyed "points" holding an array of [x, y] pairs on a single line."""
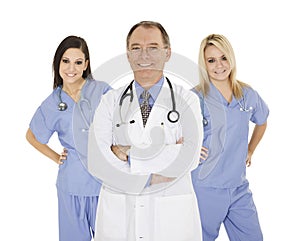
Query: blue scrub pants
{"points": [[76, 216], [232, 206]]}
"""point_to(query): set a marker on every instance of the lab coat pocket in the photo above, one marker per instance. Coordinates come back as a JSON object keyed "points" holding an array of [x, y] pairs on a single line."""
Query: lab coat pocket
{"points": [[172, 132], [175, 218], [113, 215]]}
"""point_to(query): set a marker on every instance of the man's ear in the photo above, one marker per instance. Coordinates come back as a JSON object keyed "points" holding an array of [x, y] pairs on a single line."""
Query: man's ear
{"points": [[168, 54]]}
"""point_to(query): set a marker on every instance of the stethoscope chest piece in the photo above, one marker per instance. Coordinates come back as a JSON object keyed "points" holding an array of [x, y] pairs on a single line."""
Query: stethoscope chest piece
{"points": [[173, 116], [62, 106]]}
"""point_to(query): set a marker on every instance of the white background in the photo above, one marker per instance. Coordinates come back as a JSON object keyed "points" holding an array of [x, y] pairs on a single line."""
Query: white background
{"points": [[264, 35]]}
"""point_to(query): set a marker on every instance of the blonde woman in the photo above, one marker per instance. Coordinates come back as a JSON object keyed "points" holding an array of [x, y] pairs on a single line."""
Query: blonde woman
{"points": [[220, 181]]}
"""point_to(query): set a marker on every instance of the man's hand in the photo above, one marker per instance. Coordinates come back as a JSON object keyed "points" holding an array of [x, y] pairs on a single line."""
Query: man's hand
{"points": [[156, 179], [121, 151]]}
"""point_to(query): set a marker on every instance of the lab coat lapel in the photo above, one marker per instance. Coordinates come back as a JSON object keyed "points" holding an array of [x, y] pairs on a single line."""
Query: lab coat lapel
{"points": [[136, 110]]}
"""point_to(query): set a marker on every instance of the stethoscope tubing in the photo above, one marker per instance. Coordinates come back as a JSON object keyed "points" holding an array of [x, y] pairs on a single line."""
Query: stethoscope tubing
{"points": [[241, 105], [62, 106], [170, 113]]}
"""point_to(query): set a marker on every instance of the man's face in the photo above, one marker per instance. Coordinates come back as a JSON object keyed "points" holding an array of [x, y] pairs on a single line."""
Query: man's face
{"points": [[147, 55]]}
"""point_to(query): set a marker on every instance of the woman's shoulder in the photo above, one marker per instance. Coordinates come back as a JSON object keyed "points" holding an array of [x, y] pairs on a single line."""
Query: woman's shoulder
{"points": [[51, 101], [197, 91], [248, 90], [53, 96], [251, 93], [97, 85]]}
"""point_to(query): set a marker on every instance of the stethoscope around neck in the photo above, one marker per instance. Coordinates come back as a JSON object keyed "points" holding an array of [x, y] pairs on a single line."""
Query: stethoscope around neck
{"points": [[172, 116], [62, 106], [242, 108]]}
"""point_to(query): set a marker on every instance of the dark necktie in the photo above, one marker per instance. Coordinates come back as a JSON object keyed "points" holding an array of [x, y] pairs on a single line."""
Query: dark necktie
{"points": [[145, 107]]}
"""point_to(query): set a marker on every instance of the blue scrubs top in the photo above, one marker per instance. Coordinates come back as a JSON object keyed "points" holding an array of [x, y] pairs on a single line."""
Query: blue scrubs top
{"points": [[226, 137], [73, 178]]}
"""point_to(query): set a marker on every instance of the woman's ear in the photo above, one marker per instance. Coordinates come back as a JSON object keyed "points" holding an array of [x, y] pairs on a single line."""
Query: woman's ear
{"points": [[86, 64]]}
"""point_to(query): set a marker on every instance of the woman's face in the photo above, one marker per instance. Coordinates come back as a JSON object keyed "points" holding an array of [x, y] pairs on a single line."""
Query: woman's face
{"points": [[72, 65], [217, 65]]}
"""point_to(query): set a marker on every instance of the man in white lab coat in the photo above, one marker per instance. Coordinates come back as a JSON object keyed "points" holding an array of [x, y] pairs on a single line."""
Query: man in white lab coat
{"points": [[147, 193]]}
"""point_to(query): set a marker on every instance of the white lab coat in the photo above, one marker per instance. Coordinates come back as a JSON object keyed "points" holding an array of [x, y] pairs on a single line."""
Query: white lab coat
{"points": [[127, 210]]}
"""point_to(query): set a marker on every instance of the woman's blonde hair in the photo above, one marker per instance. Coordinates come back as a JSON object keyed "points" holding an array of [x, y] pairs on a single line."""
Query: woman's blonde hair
{"points": [[225, 47]]}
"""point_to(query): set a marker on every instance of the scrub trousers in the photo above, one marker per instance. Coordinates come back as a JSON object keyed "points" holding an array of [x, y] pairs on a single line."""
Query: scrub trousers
{"points": [[232, 206], [77, 216]]}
